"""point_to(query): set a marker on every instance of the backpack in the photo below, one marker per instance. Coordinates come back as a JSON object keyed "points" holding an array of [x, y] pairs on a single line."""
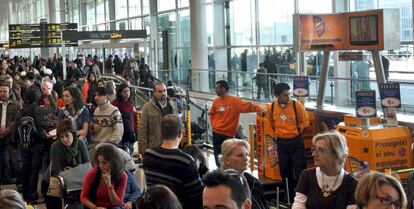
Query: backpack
{"points": [[27, 132]]}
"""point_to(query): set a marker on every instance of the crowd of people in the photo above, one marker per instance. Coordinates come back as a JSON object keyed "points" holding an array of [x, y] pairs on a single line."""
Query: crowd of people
{"points": [[51, 127]]}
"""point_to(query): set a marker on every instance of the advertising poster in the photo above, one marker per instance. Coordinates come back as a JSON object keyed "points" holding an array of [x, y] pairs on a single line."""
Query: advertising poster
{"points": [[301, 86], [321, 31], [365, 104], [390, 95]]}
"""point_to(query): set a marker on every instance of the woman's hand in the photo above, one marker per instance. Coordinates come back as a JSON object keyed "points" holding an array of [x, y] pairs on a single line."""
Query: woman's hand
{"points": [[128, 205], [107, 178]]}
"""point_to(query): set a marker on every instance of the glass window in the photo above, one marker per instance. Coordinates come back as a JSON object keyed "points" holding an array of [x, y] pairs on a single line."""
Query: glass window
{"points": [[183, 3], [165, 5], [315, 6], [134, 8], [121, 25], [242, 22], [101, 27], [166, 22], [90, 7], [145, 7], [278, 29], [106, 10], [184, 35], [135, 24], [100, 11], [210, 24], [121, 9]]}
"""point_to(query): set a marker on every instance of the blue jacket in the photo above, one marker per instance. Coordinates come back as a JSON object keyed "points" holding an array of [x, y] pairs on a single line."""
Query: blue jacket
{"points": [[132, 192]]}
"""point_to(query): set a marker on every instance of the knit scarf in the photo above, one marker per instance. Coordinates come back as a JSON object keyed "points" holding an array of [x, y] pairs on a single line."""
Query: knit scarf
{"points": [[70, 153]]}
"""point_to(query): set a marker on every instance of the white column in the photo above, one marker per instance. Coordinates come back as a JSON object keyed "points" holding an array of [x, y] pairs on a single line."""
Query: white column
{"points": [[199, 52], [220, 54], [62, 11], [111, 9], [342, 69], [10, 12]]}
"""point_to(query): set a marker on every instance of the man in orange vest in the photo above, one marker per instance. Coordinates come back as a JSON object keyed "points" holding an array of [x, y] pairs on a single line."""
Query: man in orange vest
{"points": [[288, 119]]}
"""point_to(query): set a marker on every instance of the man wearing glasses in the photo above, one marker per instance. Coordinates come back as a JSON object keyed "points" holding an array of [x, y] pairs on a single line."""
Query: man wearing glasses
{"points": [[288, 120], [226, 190]]}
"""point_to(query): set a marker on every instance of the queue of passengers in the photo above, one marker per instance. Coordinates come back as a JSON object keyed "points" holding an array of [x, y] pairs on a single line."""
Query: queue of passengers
{"points": [[55, 128]]}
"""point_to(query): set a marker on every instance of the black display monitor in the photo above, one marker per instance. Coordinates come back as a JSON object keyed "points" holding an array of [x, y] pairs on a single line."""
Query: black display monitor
{"points": [[363, 30]]}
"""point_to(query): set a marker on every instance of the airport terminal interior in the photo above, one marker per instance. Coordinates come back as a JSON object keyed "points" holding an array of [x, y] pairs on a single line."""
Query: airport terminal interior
{"points": [[206, 104]]}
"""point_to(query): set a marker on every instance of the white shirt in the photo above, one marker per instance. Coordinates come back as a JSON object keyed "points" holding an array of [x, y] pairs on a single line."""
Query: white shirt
{"points": [[3, 114], [300, 199]]}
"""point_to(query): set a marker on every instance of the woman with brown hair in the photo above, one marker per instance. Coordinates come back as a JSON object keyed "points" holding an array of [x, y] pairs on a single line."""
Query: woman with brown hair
{"points": [[104, 185]]}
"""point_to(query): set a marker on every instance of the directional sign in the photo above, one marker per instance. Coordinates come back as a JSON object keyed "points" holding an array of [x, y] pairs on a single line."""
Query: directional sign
{"points": [[350, 56], [39, 35]]}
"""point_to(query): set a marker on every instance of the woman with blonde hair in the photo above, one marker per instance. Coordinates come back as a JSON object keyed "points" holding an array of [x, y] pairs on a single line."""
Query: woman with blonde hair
{"points": [[11, 199], [235, 155], [328, 185], [379, 191]]}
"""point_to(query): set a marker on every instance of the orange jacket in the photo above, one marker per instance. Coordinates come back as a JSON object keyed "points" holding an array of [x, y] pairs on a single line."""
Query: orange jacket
{"points": [[225, 114], [285, 121], [85, 90]]}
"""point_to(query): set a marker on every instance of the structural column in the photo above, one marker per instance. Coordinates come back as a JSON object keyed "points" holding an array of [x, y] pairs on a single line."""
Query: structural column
{"points": [[199, 52], [342, 69], [220, 52]]}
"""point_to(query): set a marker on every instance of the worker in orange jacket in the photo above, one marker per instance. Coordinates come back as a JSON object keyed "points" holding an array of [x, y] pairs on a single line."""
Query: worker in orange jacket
{"points": [[225, 116], [288, 120]]}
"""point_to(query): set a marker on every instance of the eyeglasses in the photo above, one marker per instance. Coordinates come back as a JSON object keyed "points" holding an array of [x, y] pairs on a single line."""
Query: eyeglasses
{"points": [[388, 202], [235, 174], [320, 150]]}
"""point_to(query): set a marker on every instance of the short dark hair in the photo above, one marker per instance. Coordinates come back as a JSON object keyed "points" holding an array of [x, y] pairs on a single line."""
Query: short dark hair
{"points": [[171, 126], [223, 84], [158, 197], [66, 125], [238, 185], [280, 88], [101, 91]]}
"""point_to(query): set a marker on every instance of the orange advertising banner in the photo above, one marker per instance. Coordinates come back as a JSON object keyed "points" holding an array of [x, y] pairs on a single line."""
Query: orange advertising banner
{"points": [[321, 32]]}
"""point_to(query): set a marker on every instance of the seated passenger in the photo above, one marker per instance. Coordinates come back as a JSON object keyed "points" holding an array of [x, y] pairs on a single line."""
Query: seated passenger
{"points": [[226, 189], [132, 192], [158, 197], [235, 155], [11, 199], [66, 152], [378, 191], [104, 185], [199, 157], [328, 185]]}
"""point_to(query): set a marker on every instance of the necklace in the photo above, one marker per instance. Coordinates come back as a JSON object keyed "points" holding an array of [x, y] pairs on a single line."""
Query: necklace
{"points": [[325, 187]]}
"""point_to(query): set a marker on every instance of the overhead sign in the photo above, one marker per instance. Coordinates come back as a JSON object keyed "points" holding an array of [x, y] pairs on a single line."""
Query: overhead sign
{"points": [[301, 86], [366, 104], [350, 56], [39, 35], [363, 30], [390, 95], [104, 35], [321, 32]]}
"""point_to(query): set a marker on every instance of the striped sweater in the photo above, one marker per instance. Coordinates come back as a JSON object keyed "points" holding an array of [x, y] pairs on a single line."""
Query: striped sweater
{"points": [[176, 170]]}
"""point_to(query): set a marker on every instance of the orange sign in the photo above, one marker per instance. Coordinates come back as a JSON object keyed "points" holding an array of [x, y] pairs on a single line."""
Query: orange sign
{"points": [[321, 32]]}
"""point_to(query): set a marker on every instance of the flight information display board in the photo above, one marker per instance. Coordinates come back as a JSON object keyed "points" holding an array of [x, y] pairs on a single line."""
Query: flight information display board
{"points": [[40, 35]]}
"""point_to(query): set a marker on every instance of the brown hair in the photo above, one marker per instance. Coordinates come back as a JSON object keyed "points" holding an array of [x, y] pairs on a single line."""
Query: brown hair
{"points": [[369, 184]]}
